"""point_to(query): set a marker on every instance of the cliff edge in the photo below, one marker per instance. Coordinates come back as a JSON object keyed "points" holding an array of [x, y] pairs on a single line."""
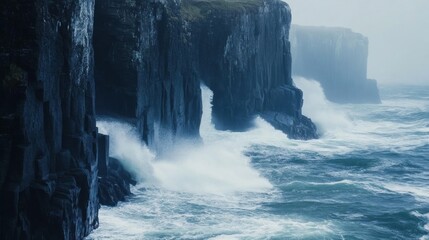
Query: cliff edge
{"points": [[152, 56]]}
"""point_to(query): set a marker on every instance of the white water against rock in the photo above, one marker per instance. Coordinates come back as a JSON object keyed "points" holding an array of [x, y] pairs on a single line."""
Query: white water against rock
{"points": [[364, 179]]}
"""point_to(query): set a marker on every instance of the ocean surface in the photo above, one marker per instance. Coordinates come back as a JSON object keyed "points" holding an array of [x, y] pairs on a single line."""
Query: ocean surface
{"points": [[366, 178]]}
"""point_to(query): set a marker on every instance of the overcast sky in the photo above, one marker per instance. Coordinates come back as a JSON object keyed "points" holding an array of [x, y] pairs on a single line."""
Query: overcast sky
{"points": [[398, 32]]}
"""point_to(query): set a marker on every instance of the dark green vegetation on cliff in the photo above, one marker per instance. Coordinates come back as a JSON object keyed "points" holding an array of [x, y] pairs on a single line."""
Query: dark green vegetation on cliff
{"points": [[198, 9]]}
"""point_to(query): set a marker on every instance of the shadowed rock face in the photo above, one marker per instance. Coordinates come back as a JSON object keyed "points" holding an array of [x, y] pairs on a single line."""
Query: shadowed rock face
{"points": [[243, 53], [144, 70], [152, 56], [337, 58], [113, 180], [48, 166]]}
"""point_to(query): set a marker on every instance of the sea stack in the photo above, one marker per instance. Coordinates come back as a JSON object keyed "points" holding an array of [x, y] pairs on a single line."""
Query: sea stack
{"points": [[337, 58]]}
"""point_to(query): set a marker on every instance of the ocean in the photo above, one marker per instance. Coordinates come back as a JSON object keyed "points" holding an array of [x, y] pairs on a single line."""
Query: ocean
{"points": [[367, 177]]}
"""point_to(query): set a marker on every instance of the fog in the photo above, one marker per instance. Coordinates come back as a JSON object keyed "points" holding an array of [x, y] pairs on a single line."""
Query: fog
{"points": [[398, 33]]}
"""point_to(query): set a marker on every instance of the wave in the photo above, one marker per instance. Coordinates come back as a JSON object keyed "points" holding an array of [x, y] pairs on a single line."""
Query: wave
{"points": [[218, 166], [420, 193], [166, 215], [215, 191], [325, 114], [424, 217], [342, 182], [126, 146], [397, 124]]}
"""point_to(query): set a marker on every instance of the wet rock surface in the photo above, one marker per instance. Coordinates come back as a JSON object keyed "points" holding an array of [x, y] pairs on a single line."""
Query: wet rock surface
{"points": [[239, 49], [144, 66], [113, 180], [150, 59], [114, 187], [48, 149]]}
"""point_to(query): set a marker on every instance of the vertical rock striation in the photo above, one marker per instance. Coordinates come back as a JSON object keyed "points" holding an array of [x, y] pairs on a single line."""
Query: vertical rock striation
{"points": [[243, 55], [152, 55], [337, 58], [48, 149], [144, 70]]}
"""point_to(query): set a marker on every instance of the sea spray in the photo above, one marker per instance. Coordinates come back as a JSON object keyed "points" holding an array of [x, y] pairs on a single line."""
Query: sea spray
{"points": [[327, 116], [218, 166], [363, 181], [126, 146]]}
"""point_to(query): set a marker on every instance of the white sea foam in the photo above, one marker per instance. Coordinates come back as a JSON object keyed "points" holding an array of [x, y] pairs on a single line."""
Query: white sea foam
{"points": [[425, 217], [346, 128], [213, 168], [173, 215], [342, 182], [421, 193], [212, 190], [218, 166], [328, 116], [126, 146]]}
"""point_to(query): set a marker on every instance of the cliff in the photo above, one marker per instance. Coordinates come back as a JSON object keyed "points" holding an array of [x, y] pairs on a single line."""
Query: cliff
{"points": [[144, 70], [48, 149], [243, 56], [151, 56], [337, 58], [150, 59]]}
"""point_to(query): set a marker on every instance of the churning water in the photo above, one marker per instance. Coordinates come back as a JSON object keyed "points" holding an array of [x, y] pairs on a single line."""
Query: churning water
{"points": [[366, 178]]}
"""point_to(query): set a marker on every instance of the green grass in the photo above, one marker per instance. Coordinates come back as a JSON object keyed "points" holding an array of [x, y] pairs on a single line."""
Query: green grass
{"points": [[198, 9]]}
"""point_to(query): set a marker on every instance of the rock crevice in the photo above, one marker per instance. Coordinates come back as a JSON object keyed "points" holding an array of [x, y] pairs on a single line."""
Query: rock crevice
{"points": [[239, 49], [48, 149]]}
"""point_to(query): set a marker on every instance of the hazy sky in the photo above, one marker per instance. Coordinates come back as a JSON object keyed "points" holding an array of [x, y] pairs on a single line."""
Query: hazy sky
{"points": [[398, 32]]}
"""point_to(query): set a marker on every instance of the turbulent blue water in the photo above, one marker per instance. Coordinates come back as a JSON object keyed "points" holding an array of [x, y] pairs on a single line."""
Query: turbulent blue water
{"points": [[366, 178]]}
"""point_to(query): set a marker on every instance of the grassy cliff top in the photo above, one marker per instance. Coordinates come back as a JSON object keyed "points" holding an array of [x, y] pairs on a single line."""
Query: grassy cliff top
{"points": [[197, 9]]}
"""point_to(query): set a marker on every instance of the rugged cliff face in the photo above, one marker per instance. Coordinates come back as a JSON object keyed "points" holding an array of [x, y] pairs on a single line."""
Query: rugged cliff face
{"points": [[151, 57], [48, 166], [336, 57], [243, 55], [144, 70], [240, 49]]}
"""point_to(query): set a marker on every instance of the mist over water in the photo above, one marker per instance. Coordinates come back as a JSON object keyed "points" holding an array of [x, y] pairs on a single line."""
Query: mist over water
{"points": [[398, 49], [126, 146], [320, 109], [364, 179]]}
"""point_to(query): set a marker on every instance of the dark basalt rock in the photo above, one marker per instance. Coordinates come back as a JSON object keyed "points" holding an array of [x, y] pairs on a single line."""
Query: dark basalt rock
{"points": [[144, 70], [113, 180], [150, 59], [152, 55], [48, 149], [337, 58], [242, 53], [115, 185], [288, 118]]}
